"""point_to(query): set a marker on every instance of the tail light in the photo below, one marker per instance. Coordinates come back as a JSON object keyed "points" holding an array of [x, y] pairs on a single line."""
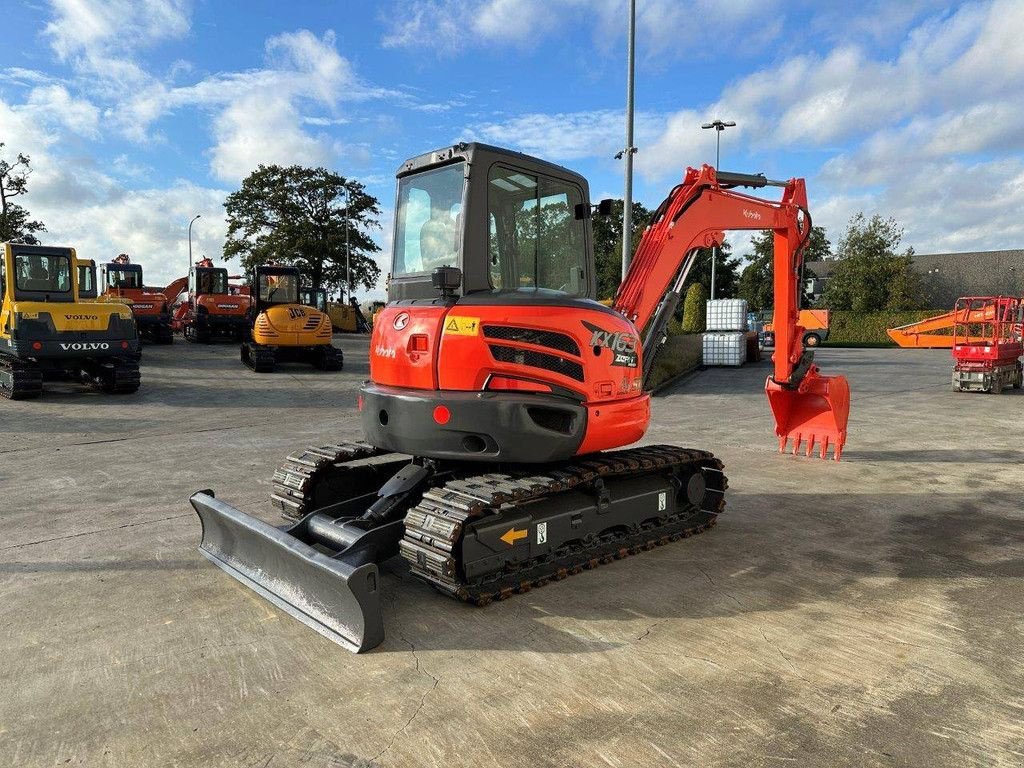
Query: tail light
{"points": [[419, 342]]}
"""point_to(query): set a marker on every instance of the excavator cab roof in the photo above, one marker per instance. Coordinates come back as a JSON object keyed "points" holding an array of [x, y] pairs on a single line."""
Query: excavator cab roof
{"points": [[517, 227]]}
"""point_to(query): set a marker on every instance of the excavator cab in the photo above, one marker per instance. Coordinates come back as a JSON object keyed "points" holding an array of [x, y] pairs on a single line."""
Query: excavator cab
{"points": [[117, 276], [520, 231], [315, 298], [208, 281]]}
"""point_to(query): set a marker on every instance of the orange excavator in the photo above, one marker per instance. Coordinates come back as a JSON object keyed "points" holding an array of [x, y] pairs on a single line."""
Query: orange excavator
{"points": [[121, 280], [212, 309], [502, 394]]}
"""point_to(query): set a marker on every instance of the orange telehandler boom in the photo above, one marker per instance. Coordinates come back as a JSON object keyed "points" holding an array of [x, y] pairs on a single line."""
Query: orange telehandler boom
{"points": [[924, 334]]}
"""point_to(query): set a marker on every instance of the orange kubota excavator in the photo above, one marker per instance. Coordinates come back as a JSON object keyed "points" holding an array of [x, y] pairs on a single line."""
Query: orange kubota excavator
{"points": [[501, 395]]}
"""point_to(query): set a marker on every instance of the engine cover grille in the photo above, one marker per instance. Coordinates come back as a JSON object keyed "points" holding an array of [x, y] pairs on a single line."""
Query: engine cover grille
{"points": [[536, 336], [534, 359]]}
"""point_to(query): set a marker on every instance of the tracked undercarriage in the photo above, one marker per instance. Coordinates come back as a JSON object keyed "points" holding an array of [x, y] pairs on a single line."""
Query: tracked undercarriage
{"points": [[476, 536], [22, 379], [263, 358]]}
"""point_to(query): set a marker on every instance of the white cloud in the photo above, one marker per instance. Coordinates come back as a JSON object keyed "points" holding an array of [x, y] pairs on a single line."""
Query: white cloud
{"points": [[98, 27], [567, 136], [55, 105], [262, 128], [906, 130], [449, 26], [84, 206]]}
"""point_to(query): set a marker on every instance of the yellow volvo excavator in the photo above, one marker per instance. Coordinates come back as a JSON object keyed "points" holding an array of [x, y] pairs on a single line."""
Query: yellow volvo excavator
{"points": [[284, 329], [47, 331]]}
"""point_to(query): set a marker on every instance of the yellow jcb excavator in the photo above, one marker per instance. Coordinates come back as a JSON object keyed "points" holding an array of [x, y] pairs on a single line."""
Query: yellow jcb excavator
{"points": [[284, 329]]}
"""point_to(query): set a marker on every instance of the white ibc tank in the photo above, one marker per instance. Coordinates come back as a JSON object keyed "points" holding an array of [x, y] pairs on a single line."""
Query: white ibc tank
{"points": [[725, 348], [726, 315]]}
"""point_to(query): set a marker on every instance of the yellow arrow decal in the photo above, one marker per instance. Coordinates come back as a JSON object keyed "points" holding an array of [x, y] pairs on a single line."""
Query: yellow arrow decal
{"points": [[511, 536]]}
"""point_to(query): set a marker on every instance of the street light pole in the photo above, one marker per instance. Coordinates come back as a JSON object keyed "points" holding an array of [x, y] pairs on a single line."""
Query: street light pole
{"points": [[719, 126], [348, 257], [197, 216], [630, 150]]}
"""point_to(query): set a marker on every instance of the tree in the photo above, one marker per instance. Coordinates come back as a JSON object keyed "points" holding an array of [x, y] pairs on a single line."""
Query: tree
{"points": [[608, 245], [755, 284], [695, 309], [16, 223], [727, 275], [297, 216], [870, 274]]}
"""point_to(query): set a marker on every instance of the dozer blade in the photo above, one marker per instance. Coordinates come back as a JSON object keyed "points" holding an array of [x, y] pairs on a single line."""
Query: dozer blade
{"points": [[815, 412], [339, 599]]}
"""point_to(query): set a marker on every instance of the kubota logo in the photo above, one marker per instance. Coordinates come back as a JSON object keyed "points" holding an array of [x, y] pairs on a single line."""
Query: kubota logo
{"points": [[80, 346], [81, 317], [751, 215], [401, 320]]}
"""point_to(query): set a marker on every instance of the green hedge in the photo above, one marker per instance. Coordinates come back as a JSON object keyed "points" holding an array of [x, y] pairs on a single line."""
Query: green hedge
{"points": [[681, 353], [869, 328]]}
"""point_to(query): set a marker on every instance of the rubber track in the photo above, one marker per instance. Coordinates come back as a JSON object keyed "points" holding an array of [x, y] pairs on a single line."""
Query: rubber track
{"points": [[124, 377], [434, 527], [295, 481], [259, 358], [25, 379], [330, 359]]}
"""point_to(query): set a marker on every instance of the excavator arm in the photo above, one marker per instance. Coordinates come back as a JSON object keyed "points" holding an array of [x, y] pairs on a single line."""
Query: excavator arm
{"points": [[808, 407]]}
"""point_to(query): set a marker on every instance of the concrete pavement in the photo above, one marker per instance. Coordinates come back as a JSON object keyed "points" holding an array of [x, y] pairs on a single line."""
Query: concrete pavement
{"points": [[861, 613]]}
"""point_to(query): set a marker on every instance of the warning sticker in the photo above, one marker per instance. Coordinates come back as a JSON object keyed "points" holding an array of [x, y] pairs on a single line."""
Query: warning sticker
{"points": [[542, 533], [462, 326]]}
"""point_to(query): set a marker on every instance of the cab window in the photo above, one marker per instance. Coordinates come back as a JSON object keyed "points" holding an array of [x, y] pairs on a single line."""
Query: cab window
{"points": [[42, 273], [535, 240], [279, 289], [85, 284], [428, 220], [211, 281], [123, 278]]}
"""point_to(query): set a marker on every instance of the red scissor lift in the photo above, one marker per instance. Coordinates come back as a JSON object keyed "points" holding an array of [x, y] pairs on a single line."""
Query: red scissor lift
{"points": [[987, 352]]}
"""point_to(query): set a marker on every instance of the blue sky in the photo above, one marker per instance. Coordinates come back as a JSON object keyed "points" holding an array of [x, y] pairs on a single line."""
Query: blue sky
{"points": [[139, 114]]}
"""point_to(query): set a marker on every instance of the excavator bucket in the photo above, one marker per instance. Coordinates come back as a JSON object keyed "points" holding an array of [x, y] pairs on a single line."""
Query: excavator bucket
{"points": [[339, 597], [813, 413]]}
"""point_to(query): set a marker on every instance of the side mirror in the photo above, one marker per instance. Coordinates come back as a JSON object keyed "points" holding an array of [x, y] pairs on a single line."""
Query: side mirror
{"points": [[604, 208]]}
